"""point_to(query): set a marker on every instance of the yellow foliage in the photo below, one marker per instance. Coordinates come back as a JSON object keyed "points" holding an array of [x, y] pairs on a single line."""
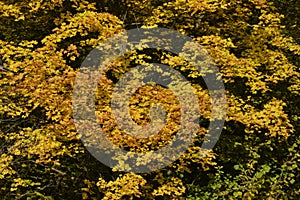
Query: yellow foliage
{"points": [[128, 185], [44, 43]]}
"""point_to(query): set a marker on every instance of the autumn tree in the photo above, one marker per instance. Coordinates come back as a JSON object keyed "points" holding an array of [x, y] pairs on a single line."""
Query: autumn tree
{"points": [[255, 50]]}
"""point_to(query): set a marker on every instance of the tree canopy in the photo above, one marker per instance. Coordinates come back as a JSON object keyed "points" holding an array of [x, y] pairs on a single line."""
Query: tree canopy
{"points": [[255, 46]]}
